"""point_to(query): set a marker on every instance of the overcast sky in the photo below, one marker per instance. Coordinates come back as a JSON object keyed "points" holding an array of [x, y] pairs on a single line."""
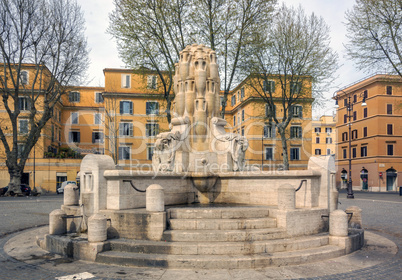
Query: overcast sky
{"points": [[103, 51]]}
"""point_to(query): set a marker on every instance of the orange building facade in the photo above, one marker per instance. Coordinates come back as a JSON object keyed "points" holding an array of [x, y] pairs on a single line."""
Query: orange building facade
{"points": [[375, 134]]}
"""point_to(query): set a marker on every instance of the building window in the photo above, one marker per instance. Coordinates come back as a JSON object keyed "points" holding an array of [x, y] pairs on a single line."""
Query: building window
{"points": [[234, 120], [151, 129], [355, 98], [365, 112], [328, 129], [97, 137], [354, 134], [98, 97], [294, 153], [364, 131], [242, 115], [363, 151], [345, 118], [23, 103], [345, 102], [317, 152], [344, 153], [23, 126], [242, 93], [74, 96], [152, 108], [269, 131], [233, 100], [74, 118], [97, 118], [24, 77], [126, 107], [389, 109], [242, 131], [295, 87], [328, 140], [74, 137], [389, 90], [390, 150], [295, 132], [269, 153], [328, 151], [152, 82], [125, 129], [125, 81], [389, 129], [268, 111], [317, 140], [52, 129], [150, 152], [354, 115], [365, 94], [345, 136], [353, 152], [317, 129], [297, 111], [269, 86], [124, 153]]}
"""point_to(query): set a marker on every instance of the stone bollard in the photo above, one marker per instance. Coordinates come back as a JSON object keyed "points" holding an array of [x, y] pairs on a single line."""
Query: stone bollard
{"points": [[71, 196], [356, 219], [57, 223], [286, 197], [155, 198], [97, 228], [338, 223]]}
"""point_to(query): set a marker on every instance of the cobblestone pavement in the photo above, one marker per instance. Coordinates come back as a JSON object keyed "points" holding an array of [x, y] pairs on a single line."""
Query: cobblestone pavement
{"points": [[381, 215]]}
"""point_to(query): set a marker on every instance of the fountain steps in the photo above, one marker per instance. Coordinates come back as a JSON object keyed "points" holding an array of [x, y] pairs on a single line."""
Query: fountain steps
{"points": [[221, 224], [218, 248], [220, 261], [199, 237]]}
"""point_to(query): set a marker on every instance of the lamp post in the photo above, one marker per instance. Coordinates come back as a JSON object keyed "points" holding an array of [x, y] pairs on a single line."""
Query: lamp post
{"points": [[349, 108]]}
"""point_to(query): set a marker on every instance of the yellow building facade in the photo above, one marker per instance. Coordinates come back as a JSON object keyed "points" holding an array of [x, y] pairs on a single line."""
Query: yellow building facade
{"points": [[323, 136], [375, 133], [123, 118]]}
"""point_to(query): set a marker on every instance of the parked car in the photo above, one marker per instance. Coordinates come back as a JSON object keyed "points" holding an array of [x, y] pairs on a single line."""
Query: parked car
{"points": [[63, 185], [25, 189]]}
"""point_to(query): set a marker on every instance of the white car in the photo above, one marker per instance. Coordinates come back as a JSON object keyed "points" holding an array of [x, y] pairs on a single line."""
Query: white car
{"points": [[63, 185]]}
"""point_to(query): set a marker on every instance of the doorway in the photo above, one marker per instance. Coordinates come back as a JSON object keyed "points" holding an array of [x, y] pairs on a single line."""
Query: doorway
{"points": [[25, 178], [364, 179], [391, 179]]}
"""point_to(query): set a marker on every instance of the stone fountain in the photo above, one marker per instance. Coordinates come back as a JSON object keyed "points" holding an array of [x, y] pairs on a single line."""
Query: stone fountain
{"points": [[259, 219]]}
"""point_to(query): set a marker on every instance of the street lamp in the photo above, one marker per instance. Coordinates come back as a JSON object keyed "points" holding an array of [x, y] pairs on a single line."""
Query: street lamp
{"points": [[349, 107]]}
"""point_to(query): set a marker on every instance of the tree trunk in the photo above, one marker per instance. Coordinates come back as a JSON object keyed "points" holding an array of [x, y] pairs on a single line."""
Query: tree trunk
{"points": [[168, 107], [284, 150], [15, 182]]}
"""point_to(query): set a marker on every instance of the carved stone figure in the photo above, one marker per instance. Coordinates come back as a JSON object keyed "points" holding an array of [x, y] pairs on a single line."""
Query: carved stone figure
{"points": [[196, 128]]}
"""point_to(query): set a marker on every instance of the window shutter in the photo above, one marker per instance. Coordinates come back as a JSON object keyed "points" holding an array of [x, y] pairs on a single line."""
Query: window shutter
{"points": [[272, 86], [70, 137], [93, 137], [147, 109], [131, 108], [70, 96], [264, 86], [121, 107], [300, 112], [120, 153], [265, 131], [273, 131], [78, 137], [78, 97], [131, 129]]}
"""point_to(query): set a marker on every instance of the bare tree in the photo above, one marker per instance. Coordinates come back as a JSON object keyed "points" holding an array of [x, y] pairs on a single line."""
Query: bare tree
{"points": [[294, 51], [228, 26], [45, 38], [111, 123], [150, 35], [375, 34]]}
